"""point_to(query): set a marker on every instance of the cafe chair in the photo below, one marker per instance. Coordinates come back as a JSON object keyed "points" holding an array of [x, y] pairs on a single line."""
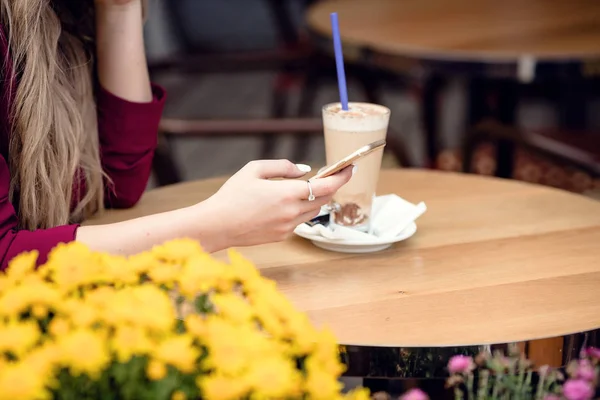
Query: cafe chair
{"points": [[566, 160], [197, 58]]}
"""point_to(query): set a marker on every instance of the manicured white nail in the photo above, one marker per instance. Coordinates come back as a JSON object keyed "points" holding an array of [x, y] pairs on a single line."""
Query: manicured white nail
{"points": [[354, 168], [304, 168]]}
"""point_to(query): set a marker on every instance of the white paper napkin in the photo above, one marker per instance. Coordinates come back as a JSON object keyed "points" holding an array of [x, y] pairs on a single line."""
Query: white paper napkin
{"points": [[390, 216]]}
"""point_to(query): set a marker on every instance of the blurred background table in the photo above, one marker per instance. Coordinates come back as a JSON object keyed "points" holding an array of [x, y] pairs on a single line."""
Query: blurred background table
{"points": [[493, 261], [505, 50]]}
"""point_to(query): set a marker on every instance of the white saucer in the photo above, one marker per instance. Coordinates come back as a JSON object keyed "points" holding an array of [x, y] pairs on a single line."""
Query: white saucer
{"points": [[354, 246]]}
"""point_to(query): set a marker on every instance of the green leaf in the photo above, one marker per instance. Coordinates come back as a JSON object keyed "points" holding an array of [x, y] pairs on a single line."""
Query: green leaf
{"points": [[164, 388], [203, 305], [180, 326]]}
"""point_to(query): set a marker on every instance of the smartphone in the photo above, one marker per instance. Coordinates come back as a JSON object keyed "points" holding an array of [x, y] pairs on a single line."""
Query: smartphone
{"points": [[350, 159]]}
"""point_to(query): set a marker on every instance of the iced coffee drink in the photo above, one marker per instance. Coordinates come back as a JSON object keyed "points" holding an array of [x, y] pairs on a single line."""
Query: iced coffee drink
{"points": [[345, 132]]}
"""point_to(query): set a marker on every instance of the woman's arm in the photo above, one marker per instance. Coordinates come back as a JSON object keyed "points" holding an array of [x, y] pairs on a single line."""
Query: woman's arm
{"points": [[250, 208], [129, 107], [122, 66], [140, 234]]}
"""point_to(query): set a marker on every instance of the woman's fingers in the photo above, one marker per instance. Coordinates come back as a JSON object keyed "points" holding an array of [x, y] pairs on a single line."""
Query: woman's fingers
{"points": [[315, 205], [326, 186], [305, 217], [331, 184], [311, 209], [268, 169]]}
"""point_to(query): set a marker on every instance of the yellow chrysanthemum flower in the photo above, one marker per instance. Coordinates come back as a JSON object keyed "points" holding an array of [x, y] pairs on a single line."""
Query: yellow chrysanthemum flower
{"points": [[195, 325], [178, 395], [217, 387], [164, 274], [321, 385], [177, 251], [85, 311], [329, 365], [83, 352], [231, 347], [201, 273], [18, 337], [115, 270], [274, 377], [21, 266], [358, 394], [270, 322], [128, 341], [73, 265], [142, 263], [100, 298], [83, 314], [42, 360], [59, 327], [145, 306], [326, 353], [32, 291], [233, 307], [39, 311], [301, 333], [242, 268], [178, 352], [17, 382], [156, 370]]}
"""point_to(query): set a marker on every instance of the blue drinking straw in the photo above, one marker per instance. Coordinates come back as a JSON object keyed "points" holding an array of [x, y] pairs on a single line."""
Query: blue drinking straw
{"points": [[339, 61]]}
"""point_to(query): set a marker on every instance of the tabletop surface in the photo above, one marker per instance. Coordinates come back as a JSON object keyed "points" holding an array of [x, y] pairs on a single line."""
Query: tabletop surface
{"points": [[493, 261], [478, 29]]}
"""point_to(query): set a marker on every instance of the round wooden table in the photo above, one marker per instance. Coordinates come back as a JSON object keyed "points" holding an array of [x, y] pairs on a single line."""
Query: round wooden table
{"points": [[493, 261], [500, 38]]}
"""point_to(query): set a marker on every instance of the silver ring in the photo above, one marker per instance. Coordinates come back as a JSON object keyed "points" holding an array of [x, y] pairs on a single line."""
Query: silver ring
{"points": [[311, 196]]}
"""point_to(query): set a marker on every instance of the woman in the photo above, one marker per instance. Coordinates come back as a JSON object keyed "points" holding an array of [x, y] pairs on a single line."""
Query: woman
{"points": [[78, 124]]}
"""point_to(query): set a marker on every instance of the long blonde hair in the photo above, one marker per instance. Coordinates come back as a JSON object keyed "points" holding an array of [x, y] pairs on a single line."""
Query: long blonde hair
{"points": [[54, 133]]}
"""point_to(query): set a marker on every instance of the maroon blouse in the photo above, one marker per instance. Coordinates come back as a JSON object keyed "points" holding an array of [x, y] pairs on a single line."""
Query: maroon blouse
{"points": [[128, 138]]}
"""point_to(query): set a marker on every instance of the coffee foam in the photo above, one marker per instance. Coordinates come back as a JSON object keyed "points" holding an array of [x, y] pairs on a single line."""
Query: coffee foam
{"points": [[360, 117]]}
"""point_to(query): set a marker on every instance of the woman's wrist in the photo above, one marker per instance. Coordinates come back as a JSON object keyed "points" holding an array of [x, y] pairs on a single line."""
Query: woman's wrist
{"points": [[118, 5], [208, 226], [119, 15]]}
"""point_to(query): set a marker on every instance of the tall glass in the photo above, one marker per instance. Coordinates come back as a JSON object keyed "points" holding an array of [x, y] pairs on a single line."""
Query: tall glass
{"points": [[346, 132]]}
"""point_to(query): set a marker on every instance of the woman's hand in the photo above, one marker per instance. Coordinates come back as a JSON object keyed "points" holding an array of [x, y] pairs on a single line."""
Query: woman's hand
{"points": [[254, 208]]}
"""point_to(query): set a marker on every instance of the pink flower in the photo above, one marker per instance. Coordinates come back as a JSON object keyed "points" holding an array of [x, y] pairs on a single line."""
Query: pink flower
{"points": [[593, 352], [460, 364], [577, 389], [415, 394], [585, 370]]}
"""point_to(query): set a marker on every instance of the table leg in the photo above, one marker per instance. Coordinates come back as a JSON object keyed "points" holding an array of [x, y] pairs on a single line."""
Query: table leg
{"points": [[430, 116], [540, 352], [573, 104], [546, 352], [507, 106], [497, 99]]}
